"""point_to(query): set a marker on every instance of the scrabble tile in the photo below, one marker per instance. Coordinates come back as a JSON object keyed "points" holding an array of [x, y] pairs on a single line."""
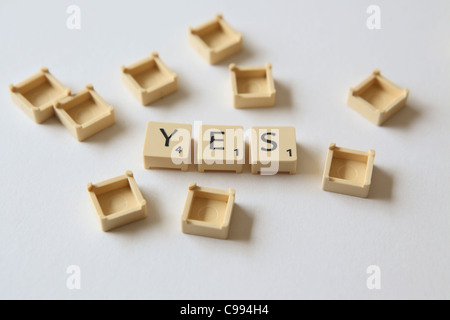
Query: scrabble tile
{"points": [[215, 40], [149, 79], [348, 171], [377, 98], [208, 212], [37, 95], [118, 201], [273, 150], [85, 113], [167, 145], [221, 148], [252, 87]]}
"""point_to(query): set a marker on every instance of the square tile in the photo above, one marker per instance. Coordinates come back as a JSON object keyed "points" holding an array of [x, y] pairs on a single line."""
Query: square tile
{"points": [[377, 98], [273, 150], [215, 40], [150, 79], [37, 95], [221, 148], [252, 87], [208, 212], [348, 171], [118, 201], [168, 145], [85, 113]]}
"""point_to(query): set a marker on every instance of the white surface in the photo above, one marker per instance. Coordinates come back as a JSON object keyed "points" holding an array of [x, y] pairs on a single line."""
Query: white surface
{"points": [[290, 239]]}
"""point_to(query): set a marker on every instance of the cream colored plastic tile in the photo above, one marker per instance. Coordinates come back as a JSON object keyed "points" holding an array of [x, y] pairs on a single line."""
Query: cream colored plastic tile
{"points": [[118, 201], [150, 79], [273, 150], [215, 40], [167, 145], [348, 171], [85, 113], [37, 94], [252, 87], [208, 212], [221, 148], [377, 98]]}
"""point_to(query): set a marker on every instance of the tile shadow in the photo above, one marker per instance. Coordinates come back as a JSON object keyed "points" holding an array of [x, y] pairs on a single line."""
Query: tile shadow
{"points": [[106, 135], [405, 118], [382, 184], [284, 96], [308, 162], [241, 224]]}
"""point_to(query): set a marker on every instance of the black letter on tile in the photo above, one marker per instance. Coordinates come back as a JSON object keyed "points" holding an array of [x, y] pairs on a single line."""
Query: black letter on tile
{"points": [[213, 138], [273, 143], [167, 137]]}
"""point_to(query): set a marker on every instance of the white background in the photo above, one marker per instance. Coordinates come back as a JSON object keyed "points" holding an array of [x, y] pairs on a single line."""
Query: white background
{"points": [[289, 239]]}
